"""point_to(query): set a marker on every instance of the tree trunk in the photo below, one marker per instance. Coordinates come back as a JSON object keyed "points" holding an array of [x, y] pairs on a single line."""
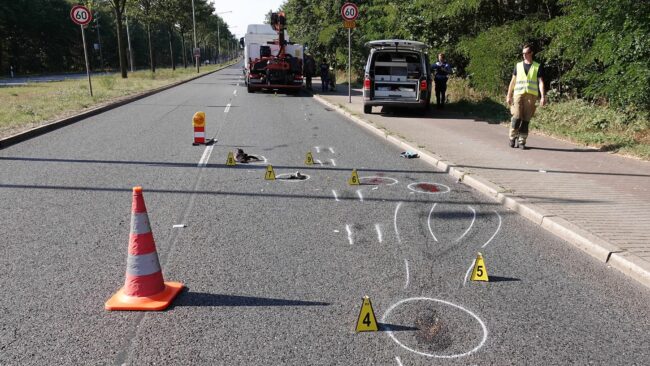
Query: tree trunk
{"points": [[121, 47], [171, 49], [151, 63], [184, 50]]}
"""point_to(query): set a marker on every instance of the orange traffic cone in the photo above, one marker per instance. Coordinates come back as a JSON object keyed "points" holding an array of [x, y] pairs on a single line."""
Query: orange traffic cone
{"points": [[144, 288]]}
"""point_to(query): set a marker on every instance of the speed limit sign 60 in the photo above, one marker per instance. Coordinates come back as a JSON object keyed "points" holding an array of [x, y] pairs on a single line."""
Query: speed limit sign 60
{"points": [[349, 11], [81, 15]]}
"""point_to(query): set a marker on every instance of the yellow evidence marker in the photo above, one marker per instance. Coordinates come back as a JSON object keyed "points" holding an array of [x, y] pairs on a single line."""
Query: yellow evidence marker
{"points": [[231, 159], [479, 273], [367, 321], [354, 179], [309, 159], [270, 173]]}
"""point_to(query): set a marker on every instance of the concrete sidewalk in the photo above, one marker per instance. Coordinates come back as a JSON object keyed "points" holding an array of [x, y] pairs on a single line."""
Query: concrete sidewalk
{"points": [[597, 201]]}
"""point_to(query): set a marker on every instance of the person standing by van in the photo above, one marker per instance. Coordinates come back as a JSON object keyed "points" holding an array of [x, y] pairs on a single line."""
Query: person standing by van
{"points": [[310, 70], [324, 75], [527, 83], [441, 70]]}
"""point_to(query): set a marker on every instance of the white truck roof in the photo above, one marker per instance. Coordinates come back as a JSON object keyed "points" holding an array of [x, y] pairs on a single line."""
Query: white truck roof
{"points": [[258, 32], [397, 43]]}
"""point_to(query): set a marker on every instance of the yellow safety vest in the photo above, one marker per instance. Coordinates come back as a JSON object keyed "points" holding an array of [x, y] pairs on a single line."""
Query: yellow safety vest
{"points": [[527, 83]]}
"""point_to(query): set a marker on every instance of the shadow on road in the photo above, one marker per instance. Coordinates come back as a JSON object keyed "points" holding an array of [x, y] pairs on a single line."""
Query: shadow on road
{"points": [[503, 279], [383, 327], [189, 298]]}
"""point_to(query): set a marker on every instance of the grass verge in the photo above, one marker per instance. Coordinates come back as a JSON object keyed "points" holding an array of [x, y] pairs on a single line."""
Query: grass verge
{"points": [[35, 104], [626, 132]]}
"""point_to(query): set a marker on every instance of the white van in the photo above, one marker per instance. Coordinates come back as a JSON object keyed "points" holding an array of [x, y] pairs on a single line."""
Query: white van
{"points": [[398, 74]]}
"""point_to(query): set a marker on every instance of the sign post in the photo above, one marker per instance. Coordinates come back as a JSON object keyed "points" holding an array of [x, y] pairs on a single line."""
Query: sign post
{"points": [[349, 13], [82, 16]]}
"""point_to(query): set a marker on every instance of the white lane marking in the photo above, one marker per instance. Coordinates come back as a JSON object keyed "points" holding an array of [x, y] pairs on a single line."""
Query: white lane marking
{"points": [[331, 150], [399, 363], [406, 263], [399, 240], [234, 92], [317, 149], [468, 271], [390, 332], [319, 162], [335, 196], [495, 233], [227, 108], [238, 83], [470, 225], [333, 162], [429, 221], [206, 156], [347, 228], [379, 235], [360, 195]]}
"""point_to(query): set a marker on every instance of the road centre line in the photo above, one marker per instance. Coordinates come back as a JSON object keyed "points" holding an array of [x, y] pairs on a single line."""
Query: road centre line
{"points": [[206, 156], [333, 162], [227, 108], [336, 197], [470, 225], [360, 195], [379, 235], [331, 150], [399, 240], [347, 228], [429, 221], [406, 263], [495, 233]]}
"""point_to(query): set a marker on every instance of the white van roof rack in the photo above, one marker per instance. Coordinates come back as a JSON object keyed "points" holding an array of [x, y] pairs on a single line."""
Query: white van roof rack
{"points": [[397, 43]]}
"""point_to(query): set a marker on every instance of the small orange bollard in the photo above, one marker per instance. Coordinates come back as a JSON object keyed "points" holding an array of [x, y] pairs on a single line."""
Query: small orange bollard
{"points": [[144, 287], [198, 121]]}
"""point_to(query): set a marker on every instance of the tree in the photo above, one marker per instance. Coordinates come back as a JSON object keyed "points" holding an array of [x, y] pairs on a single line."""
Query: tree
{"points": [[119, 7]]}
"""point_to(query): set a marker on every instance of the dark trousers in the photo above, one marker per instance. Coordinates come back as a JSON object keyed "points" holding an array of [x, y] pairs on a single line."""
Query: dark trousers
{"points": [[308, 82], [325, 82], [441, 89]]}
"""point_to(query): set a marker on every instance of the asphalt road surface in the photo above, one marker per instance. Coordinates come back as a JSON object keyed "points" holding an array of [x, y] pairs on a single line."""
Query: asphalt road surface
{"points": [[276, 270]]}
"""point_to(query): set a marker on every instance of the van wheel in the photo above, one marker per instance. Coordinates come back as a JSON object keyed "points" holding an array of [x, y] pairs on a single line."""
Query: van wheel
{"points": [[250, 90], [367, 109]]}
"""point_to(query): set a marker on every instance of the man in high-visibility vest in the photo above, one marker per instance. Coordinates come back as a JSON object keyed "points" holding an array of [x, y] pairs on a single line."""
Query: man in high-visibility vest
{"points": [[527, 83]]}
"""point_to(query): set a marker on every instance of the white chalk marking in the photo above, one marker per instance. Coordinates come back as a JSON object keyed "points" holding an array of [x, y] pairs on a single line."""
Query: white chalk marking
{"points": [[337, 231], [368, 178], [379, 236], [468, 271], [179, 226], [206, 156], [238, 83], [410, 186], [317, 149], [347, 228], [360, 195], [406, 263], [227, 108], [333, 162], [429, 221], [495, 233], [390, 332], [319, 162], [399, 240], [470, 225], [335, 196], [234, 92], [399, 363], [331, 150]]}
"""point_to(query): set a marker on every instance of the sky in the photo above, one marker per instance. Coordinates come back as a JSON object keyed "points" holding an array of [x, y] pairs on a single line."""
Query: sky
{"points": [[244, 12]]}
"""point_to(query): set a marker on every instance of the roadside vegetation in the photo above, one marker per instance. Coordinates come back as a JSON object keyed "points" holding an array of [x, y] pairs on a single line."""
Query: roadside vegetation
{"points": [[596, 56], [34, 104]]}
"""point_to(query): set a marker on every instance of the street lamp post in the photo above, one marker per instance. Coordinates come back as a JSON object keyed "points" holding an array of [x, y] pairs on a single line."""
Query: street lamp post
{"points": [[219, 34], [196, 57]]}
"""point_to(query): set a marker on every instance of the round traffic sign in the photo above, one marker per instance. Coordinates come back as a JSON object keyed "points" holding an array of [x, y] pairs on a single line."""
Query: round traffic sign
{"points": [[81, 15], [349, 11]]}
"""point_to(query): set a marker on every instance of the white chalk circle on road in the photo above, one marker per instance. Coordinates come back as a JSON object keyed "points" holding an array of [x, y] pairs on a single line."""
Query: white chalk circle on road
{"points": [[448, 304], [377, 180]]}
